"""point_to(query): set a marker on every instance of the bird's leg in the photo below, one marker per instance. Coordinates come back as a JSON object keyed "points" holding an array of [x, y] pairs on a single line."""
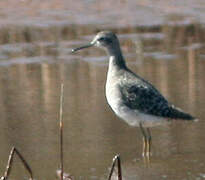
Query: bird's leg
{"points": [[149, 142], [144, 149]]}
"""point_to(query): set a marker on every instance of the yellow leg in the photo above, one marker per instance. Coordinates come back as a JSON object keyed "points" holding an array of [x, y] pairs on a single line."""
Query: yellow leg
{"points": [[147, 139], [149, 142], [144, 148]]}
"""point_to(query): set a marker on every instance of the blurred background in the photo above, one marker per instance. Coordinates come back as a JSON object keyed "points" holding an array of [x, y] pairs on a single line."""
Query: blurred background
{"points": [[162, 41]]}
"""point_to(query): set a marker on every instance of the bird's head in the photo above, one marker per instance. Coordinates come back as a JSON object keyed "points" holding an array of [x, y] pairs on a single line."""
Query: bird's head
{"points": [[104, 39]]}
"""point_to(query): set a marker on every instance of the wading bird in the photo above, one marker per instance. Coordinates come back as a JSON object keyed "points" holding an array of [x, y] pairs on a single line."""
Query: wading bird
{"points": [[132, 98]]}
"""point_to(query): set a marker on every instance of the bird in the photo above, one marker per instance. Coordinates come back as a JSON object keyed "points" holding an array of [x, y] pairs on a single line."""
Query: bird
{"points": [[132, 98]]}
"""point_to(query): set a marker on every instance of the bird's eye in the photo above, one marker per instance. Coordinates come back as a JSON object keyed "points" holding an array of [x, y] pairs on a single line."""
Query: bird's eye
{"points": [[106, 40], [102, 39]]}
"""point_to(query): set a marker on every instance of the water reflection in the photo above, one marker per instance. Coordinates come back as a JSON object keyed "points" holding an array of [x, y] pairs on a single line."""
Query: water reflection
{"points": [[30, 92]]}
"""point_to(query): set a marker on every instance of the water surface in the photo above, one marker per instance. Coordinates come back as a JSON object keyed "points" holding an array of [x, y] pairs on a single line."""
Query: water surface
{"points": [[32, 67]]}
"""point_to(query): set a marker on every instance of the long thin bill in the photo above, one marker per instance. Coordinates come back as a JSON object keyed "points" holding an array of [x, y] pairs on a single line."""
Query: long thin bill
{"points": [[82, 47]]}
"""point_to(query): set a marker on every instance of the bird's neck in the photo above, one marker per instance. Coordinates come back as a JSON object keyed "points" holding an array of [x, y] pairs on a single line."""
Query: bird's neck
{"points": [[116, 61]]}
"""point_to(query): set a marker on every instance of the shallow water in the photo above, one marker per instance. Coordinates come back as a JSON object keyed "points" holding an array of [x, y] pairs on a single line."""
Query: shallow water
{"points": [[169, 55]]}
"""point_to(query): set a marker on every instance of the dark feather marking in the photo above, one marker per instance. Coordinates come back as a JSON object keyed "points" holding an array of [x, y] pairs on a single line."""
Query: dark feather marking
{"points": [[142, 96]]}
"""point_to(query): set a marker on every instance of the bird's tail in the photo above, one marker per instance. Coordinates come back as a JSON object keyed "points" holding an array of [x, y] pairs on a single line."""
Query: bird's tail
{"points": [[177, 113]]}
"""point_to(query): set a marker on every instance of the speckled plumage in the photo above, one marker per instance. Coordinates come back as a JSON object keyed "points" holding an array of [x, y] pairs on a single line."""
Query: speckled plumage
{"points": [[141, 95], [131, 97]]}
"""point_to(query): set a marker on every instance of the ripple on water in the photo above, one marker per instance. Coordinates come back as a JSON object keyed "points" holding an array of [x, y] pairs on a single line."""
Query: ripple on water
{"points": [[28, 60], [160, 55]]}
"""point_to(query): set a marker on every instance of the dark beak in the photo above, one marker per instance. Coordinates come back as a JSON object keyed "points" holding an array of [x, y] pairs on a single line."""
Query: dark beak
{"points": [[82, 47]]}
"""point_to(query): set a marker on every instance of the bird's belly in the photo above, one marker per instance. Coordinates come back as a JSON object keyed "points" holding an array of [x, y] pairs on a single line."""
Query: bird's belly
{"points": [[132, 117], [135, 117]]}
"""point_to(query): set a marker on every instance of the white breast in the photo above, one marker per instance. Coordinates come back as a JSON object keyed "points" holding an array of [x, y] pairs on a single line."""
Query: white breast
{"points": [[133, 117], [113, 95], [130, 116]]}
